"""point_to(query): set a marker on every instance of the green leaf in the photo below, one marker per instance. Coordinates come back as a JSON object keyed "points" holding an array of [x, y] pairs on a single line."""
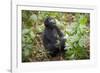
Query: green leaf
{"points": [[83, 20], [34, 17], [26, 52], [32, 34], [25, 31]]}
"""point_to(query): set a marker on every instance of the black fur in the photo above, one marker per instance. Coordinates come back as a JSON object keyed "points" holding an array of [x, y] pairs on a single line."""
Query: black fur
{"points": [[53, 38]]}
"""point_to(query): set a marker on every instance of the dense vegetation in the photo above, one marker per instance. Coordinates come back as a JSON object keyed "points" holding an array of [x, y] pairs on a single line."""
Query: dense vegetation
{"points": [[76, 27]]}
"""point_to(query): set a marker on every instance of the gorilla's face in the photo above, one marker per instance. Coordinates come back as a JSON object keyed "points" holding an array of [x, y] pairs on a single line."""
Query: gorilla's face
{"points": [[50, 22]]}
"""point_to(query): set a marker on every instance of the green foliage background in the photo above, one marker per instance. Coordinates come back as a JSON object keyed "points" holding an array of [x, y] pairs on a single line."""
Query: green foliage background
{"points": [[76, 27]]}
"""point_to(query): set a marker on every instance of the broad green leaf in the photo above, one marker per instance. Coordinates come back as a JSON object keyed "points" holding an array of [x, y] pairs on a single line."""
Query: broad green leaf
{"points": [[25, 31], [34, 17], [83, 20]]}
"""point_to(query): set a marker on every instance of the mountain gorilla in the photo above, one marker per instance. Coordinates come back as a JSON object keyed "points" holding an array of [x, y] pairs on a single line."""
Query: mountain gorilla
{"points": [[53, 38]]}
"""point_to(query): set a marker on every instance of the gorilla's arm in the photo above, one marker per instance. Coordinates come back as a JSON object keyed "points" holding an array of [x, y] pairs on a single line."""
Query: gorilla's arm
{"points": [[61, 35], [62, 39]]}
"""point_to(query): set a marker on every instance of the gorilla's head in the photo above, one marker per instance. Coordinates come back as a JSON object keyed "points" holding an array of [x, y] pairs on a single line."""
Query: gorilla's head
{"points": [[50, 22]]}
